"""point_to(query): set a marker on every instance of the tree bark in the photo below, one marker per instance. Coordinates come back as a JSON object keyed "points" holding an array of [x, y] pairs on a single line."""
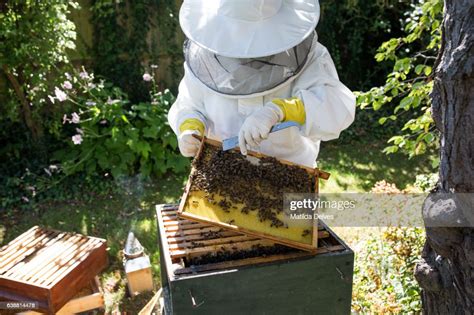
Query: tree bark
{"points": [[446, 272], [35, 129]]}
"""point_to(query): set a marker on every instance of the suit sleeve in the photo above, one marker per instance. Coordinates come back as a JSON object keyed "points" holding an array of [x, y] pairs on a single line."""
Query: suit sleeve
{"points": [[329, 104], [188, 105]]}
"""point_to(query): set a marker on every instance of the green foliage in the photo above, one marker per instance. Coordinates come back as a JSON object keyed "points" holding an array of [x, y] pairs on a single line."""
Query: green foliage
{"points": [[384, 282], [125, 39], [352, 30], [426, 182], [407, 87], [109, 135], [34, 39]]}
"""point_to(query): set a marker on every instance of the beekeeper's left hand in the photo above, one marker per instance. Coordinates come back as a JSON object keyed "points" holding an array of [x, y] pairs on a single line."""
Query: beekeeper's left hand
{"points": [[257, 126]]}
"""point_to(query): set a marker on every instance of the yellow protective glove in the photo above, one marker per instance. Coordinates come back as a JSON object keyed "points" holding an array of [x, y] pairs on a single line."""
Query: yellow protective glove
{"points": [[292, 108], [189, 145]]}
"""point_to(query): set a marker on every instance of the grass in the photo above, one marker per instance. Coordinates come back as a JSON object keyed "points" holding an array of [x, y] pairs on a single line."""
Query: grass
{"points": [[353, 167], [356, 167]]}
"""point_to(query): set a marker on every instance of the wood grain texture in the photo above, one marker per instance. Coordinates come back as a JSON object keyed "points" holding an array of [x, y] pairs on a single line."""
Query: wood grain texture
{"points": [[49, 266]]}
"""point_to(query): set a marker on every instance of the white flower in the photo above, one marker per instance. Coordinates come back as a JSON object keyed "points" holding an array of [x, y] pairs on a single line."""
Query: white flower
{"points": [[90, 103], [77, 139], [111, 101], [60, 95], [154, 66], [79, 131], [51, 98], [147, 77], [83, 74], [47, 172], [68, 76], [67, 85], [65, 119], [75, 119]]}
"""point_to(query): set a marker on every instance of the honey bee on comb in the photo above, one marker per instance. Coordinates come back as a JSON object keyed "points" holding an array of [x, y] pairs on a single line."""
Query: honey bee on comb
{"points": [[257, 186]]}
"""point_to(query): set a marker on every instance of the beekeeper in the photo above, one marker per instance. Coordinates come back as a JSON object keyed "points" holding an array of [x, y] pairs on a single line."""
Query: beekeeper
{"points": [[250, 64]]}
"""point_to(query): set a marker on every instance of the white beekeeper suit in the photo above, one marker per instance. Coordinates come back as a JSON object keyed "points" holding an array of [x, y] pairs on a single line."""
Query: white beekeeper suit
{"points": [[251, 64]]}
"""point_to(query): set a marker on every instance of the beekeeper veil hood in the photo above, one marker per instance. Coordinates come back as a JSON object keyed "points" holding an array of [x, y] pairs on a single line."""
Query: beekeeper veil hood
{"points": [[246, 47], [248, 28], [246, 76]]}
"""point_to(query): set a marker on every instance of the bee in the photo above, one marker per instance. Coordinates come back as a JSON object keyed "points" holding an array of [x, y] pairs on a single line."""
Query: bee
{"points": [[229, 175]]}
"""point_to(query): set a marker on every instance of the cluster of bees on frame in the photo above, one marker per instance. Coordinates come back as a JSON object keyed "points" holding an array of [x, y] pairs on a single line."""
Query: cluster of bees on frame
{"points": [[257, 186], [225, 254]]}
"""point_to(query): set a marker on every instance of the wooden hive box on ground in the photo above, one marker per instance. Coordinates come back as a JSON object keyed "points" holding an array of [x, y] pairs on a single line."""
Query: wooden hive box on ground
{"points": [[232, 174], [209, 270], [49, 266]]}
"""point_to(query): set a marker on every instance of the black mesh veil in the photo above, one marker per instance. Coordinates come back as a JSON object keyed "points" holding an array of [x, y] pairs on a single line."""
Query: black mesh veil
{"points": [[246, 76]]}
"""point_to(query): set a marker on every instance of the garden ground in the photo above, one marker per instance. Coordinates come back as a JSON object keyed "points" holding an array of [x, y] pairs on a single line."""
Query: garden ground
{"points": [[354, 167]]}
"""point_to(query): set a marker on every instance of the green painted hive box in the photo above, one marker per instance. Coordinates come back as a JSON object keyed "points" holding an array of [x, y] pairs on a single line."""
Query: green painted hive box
{"points": [[209, 270]]}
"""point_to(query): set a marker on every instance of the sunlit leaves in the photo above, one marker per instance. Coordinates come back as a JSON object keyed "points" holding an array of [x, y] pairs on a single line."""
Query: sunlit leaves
{"points": [[407, 88]]}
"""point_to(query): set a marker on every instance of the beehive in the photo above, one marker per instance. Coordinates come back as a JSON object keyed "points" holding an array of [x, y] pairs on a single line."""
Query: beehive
{"points": [[278, 282], [49, 266]]}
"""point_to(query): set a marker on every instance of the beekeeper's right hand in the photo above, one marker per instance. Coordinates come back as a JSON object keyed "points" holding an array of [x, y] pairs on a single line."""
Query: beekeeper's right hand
{"points": [[188, 144]]}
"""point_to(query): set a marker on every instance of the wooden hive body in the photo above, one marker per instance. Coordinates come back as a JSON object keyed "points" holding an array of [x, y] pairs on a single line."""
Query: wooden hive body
{"points": [[49, 266], [301, 282]]}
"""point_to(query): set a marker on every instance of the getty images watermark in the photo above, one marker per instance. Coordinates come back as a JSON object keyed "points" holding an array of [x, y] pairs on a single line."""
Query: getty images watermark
{"points": [[381, 209], [304, 208]]}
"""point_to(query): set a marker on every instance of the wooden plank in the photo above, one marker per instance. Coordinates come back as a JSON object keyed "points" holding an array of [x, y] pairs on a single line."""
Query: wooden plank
{"points": [[195, 231], [43, 258], [65, 259], [256, 260], [83, 253], [150, 306], [175, 222], [22, 288], [83, 304], [213, 248], [22, 238], [22, 253], [188, 226], [80, 304], [197, 237], [217, 241]]}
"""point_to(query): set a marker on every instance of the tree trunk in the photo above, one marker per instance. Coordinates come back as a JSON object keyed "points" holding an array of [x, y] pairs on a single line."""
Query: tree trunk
{"points": [[446, 272], [35, 128]]}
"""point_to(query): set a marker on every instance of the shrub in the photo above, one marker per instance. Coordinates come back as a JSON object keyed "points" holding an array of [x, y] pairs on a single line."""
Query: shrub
{"points": [[34, 40], [383, 276], [107, 134]]}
